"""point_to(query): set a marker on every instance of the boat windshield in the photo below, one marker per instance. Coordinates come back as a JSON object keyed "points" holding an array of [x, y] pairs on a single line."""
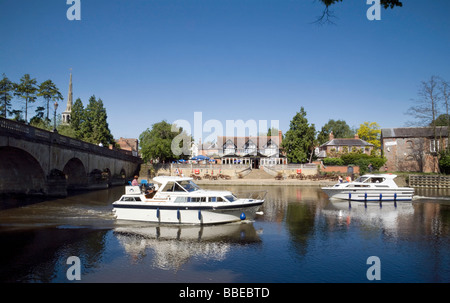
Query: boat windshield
{"points": [[362, 179], [189, 186]]}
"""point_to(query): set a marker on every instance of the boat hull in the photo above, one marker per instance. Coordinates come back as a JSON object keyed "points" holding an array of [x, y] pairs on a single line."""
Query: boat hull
{"points": [[185, 213], [375, 195]]}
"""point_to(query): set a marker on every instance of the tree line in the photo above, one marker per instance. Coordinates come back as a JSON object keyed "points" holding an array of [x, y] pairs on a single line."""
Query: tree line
{"points": [[87, 123], [298, 144], [25, 93]]}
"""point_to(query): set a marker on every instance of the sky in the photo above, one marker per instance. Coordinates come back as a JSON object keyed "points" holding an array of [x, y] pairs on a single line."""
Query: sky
{"points": [[249, 60]]}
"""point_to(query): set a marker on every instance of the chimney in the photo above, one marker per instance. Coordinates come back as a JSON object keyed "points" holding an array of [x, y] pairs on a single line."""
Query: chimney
{"points": [[356, 136], [280, 137], [331, 136]]}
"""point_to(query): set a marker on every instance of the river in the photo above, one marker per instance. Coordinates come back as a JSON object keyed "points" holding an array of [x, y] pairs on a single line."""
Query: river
{"points": [[301, 237]]}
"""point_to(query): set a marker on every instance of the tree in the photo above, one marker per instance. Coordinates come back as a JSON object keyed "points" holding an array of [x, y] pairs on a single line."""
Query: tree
{"points": [[273, 131], [426, 112], [77, 118], [339, 128], [427, 105], [298, 141], [6, 90], [26, 90], [49, 91], [370, 132], [156, 144], [95, 127]]}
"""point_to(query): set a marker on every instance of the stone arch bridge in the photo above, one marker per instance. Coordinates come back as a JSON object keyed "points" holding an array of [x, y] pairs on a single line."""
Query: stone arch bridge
{"points": [[35, 161]]}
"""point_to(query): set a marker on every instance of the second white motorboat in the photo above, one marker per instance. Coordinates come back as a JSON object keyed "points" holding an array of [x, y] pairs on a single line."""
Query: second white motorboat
{"points": [[180, 200], [370, 188]]}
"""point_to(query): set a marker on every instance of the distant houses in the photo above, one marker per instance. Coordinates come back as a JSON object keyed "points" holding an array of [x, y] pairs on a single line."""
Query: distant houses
{"points": [[336, 146], [249, 150]]}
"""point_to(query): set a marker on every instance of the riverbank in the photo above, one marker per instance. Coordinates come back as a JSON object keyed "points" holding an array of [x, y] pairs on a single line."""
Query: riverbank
{"points": [[266, 182]]}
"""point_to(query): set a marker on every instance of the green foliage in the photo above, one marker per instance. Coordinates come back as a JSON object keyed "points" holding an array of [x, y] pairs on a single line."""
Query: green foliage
{"points": [[49, 92], [160, 143], [299, 139], [77, 119], [6, 91], [333, 161], [339, 128], [444, 162], [94, 126], [26, 90], [363, 161]]}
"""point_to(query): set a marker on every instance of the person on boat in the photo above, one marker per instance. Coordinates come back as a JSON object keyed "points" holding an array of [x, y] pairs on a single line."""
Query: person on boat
{"points": [[340, 179], [349, 179], [135, 181]]}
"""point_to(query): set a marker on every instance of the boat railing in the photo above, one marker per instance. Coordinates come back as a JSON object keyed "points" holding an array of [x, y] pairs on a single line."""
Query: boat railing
{"points": [[255, 194]]}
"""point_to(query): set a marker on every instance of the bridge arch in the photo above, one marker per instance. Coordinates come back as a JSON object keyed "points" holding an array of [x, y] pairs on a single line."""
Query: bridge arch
{"points": [[75, 173], [20, 172]]}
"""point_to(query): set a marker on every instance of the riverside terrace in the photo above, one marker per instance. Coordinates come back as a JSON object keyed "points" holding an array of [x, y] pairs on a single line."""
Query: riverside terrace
{"points": [[291, 174]]}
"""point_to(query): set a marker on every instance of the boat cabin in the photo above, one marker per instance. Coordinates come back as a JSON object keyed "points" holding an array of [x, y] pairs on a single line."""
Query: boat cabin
{"points": [[176, 189]]}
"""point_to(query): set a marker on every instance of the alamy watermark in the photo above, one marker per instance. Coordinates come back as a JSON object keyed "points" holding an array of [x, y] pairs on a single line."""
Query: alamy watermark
{"points": [[374, 12], [74, 11], [74, 271], [374, 271], [212, 129]]}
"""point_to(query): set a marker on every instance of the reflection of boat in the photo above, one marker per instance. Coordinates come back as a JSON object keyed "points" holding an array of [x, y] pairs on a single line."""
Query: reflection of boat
{"points": [[387, 215], [174, 245], [370, 188], [179, 200]]}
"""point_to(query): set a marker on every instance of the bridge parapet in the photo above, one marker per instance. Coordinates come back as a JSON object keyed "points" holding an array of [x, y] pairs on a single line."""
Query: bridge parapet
{"points": [[23, 131]]}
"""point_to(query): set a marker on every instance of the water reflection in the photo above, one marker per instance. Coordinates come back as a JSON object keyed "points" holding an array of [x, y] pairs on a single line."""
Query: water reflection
{"points": [[172, 246], [302, 237]]}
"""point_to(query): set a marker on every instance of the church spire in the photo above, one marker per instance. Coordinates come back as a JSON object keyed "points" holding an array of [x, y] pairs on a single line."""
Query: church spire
{"points": [[69, 98], [67, 113]]}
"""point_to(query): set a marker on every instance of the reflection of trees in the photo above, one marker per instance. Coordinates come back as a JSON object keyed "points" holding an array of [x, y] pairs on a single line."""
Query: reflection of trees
{"points": [[300, 222]]}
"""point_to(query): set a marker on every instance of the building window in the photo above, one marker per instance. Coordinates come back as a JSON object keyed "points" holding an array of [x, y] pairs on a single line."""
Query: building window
{"points": [[409, 144], [434, 146]]}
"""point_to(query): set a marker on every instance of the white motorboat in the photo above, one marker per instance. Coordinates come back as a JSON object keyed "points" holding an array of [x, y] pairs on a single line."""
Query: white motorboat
{"points": [[180, 200], [380, 187]]}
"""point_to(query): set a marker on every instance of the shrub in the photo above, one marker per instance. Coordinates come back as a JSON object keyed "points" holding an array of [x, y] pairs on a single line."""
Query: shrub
{"points": [[333, 161], [444, 162], [363, 161]]}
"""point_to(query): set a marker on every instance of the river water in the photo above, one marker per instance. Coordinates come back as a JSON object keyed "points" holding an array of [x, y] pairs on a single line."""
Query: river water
{"points": [[301, 237]]}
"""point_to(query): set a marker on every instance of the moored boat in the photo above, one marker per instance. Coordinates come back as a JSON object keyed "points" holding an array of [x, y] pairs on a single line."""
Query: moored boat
{"points": [[371, 187], [180, 200]]}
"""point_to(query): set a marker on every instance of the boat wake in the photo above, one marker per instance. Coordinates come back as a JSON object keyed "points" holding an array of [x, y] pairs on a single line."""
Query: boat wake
{"points": [[430, 198]]}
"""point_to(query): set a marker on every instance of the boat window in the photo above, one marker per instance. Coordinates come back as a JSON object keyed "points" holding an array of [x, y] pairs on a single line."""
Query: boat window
{"points": [[182, 199], [173, 186], [377, 180], [358, 185], [177, 187], [361, 179], [168, 187], [189, 185], [231, 198], [198, 199], [216, 199], [128, 199]]}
